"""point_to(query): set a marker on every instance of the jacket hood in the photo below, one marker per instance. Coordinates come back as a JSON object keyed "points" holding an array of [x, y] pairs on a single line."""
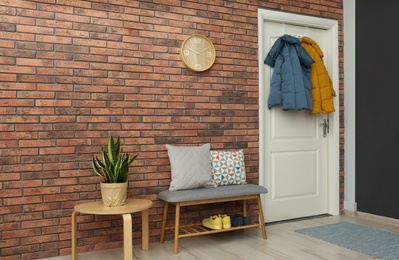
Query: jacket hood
{"points": [[290, 39], [309, 41]]}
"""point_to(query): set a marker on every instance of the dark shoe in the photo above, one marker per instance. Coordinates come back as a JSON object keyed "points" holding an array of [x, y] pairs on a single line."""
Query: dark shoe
{"points": [[246, 220], [237, 221]]}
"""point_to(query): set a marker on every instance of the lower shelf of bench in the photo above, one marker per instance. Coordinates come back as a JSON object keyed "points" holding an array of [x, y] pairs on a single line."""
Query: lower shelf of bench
{"points": [[192, 230]]}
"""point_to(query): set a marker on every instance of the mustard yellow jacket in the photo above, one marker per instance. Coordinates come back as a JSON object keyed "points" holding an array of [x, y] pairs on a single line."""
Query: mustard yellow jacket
{"points": [[322, 89]]}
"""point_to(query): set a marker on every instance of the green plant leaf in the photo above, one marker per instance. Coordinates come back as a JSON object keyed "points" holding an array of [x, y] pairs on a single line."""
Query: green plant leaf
{"points": [[114, 166], [124, 171], [100, 163], [109, 175], [95, 168], [132, 159], [104, 157], [118, 148], [112, 152]]}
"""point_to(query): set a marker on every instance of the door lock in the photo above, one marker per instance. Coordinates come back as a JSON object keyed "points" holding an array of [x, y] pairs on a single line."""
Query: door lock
{"points": [[326, 127]]}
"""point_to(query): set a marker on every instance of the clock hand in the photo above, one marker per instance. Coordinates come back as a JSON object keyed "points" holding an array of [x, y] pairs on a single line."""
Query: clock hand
{"points": [[203, 50], [194, 51]]}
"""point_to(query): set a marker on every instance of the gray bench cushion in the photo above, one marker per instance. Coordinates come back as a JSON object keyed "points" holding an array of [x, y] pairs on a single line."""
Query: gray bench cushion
{"points": [[211, 193]]}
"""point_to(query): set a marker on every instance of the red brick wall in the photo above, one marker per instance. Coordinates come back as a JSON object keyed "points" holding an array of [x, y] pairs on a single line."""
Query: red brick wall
{"points": [[74, 72]]}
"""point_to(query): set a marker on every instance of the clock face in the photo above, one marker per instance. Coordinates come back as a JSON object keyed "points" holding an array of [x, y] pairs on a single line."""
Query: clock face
{"points": [[197, 53]]}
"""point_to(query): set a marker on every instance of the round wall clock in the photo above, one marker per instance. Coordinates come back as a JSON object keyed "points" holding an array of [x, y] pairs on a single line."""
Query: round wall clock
{"points": [[197, 53]]}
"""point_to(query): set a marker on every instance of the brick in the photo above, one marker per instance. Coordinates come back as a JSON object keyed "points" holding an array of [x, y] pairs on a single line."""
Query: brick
{"points": [[55, 8], [96, 58], [86, 42], [20, 250], [19, 4], [15, 69], [19, 136], [104, 51], [21, 233], [52, 55], [125, 3], [88, 12], [39, 239], [33, 127], [34, 78], [38, 30], [54, 24], [36, 143], [51, 71], [39, 223], [35, 14], [34, 46], [10, 226], [9, 243], [61, 197], [7, 10], [72, 18], [53, 103], [7, 27], [8, 77], [7, 44], [107, 36], [40, 255], [76, 3], [23, 200], [19, 119], [17, 20], [56, 150], [72, 33], [42, 94], [124, 17], [54, 39], [70, 48], [108, 7]]}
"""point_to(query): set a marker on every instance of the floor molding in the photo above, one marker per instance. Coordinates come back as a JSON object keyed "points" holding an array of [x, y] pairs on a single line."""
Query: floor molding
{"points": [[350, 213], [392, 221]]}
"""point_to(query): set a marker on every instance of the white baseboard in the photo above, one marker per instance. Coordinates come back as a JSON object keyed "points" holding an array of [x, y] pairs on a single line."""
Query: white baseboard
{"points": [[350, 205], [369, 216]]}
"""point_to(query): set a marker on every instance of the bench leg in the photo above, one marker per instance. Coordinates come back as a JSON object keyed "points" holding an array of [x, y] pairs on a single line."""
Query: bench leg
{"points": [[177, 227], [244, 210], [262, 220], [165, 218]]}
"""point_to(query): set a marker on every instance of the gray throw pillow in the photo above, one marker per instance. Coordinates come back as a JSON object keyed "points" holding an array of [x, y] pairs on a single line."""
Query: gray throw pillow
{"points": [[190, 167]]}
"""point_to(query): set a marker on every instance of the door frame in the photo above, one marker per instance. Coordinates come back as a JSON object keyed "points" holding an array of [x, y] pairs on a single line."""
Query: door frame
{"points": [[333, 137]]}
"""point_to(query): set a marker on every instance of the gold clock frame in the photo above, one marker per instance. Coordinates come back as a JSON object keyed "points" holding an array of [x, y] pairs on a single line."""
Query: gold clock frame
{"points": [[189, 65]]}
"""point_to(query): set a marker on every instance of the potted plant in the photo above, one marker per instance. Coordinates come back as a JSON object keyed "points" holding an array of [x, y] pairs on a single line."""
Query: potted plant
{"points": [[114, 169]]}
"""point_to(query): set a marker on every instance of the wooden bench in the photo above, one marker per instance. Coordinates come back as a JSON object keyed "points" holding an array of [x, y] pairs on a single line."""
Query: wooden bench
{"points": [[206, 196]]}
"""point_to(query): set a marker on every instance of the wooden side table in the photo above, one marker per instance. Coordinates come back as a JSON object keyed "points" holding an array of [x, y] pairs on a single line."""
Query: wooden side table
{"points": [[131, 206]]}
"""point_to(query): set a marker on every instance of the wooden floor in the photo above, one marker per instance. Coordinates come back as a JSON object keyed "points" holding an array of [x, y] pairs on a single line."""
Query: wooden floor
{"points": [[282, 243]]}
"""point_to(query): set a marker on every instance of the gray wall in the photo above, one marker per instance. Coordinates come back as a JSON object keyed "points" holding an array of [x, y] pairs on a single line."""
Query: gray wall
{"points": [[377, 107]]}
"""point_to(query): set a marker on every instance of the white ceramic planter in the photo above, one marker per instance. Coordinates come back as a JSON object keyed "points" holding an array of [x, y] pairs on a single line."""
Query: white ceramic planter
{"points": [[114, 194]]}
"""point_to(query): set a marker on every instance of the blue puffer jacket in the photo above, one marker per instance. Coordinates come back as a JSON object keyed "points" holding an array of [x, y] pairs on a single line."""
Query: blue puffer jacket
{"points": [[290, 84]]}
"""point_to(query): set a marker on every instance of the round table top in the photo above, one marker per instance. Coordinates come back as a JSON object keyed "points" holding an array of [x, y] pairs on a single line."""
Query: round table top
{"points": [[97, 208]]}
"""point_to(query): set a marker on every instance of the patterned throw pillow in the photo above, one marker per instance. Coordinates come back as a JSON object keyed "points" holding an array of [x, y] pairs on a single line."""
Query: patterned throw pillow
{"points": [[228, 167]]}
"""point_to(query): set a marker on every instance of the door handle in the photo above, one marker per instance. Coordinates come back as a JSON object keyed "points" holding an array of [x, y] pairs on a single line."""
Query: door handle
{"points": [[326, 127]]}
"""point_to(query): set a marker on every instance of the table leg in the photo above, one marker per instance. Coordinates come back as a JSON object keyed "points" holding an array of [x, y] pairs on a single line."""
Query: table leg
{"points": [[74, 235], [127, 237], [145, 230]]}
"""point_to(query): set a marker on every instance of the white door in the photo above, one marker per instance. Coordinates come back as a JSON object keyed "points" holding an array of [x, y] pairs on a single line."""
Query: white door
{"points": [[295, 153]]}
